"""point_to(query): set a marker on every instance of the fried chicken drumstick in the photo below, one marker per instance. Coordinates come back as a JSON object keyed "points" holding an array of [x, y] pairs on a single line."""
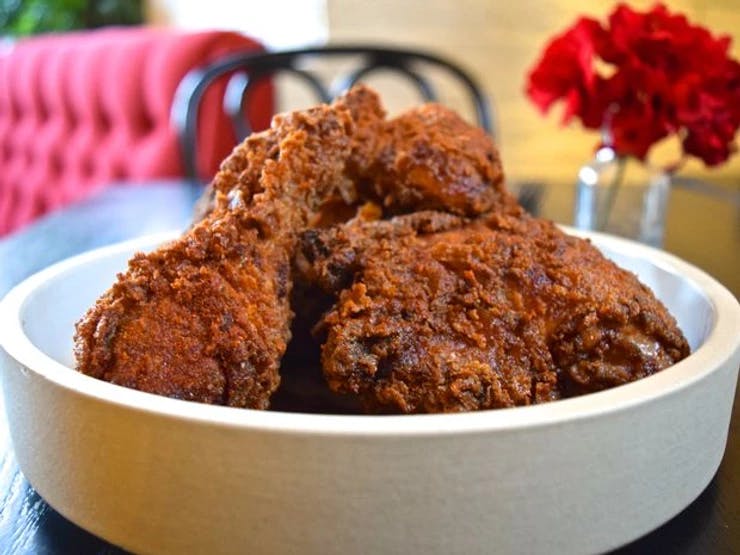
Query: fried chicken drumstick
{"points": [[438, 314], [207, 317]]}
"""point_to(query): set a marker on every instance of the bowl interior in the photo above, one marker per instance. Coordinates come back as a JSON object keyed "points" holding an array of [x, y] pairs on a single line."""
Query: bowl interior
{"points": [[52, 307], [49, 314]]}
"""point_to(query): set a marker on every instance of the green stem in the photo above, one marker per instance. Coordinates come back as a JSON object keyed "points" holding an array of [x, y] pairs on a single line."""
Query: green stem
{"points": [[607, 206]]}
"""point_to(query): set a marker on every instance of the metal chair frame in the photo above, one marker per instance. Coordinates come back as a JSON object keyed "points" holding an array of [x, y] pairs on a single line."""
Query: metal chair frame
{"points": [[248, 69]]}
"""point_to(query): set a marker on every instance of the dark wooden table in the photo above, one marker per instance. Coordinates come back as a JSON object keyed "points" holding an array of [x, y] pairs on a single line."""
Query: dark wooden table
{"points": [[28, 525]]}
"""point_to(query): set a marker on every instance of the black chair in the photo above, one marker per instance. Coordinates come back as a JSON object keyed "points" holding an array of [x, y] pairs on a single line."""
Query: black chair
{"points": [[244, 71]]}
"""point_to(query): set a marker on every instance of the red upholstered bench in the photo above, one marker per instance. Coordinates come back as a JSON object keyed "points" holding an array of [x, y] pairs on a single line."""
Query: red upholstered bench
{"points": [[81, 110]]}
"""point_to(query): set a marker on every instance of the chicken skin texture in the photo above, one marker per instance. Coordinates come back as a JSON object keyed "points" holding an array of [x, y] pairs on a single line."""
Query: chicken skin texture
{"points": [[207, 317], [372, 264], [429, 158], [435, 313]]}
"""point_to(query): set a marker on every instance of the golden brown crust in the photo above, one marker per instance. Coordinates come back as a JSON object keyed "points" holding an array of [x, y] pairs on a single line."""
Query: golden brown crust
{"points": [[207, 317], [187, 321], [463, 303], [491, 313], [429, 158]]}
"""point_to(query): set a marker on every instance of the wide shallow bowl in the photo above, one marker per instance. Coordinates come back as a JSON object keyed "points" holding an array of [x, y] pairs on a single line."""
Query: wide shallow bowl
{"points": [[158, 475]]}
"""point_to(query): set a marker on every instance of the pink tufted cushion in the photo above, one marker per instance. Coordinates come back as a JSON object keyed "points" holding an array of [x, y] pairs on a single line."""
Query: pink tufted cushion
{"points": [[80, 110]]}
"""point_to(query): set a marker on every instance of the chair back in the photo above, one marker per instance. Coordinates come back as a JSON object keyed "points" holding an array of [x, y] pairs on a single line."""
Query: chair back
{"points": [[247, 72]]}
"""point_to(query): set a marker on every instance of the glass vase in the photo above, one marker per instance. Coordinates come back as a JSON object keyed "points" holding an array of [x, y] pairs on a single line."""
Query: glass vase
{"points": [[622, 196]]}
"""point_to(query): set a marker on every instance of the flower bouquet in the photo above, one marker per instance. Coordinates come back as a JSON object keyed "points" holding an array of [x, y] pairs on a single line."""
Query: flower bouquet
{"points": [[640, 78]]}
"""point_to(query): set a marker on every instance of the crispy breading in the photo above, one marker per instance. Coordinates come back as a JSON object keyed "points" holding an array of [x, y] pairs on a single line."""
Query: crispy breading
{"points": [[429, 158], [439, 294], [207, 317], [438, 315]]}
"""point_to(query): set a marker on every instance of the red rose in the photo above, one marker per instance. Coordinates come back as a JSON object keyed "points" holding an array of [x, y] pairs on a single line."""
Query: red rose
{"points": [[642, 77]]}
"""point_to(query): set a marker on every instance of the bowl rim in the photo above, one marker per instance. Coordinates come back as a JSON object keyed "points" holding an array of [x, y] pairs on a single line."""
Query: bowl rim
{"points": [[721, 344]]}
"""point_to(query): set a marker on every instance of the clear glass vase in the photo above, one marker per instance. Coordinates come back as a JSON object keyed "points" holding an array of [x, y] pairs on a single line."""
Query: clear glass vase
{"points": [[622, 196]]}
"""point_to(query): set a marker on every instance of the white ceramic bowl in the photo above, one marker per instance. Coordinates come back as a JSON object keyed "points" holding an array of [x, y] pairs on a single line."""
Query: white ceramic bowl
{"points": [[158, 475]]}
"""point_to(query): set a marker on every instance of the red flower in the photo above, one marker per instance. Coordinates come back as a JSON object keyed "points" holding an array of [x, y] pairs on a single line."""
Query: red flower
{"points": [[641, 78], [568, 74]]}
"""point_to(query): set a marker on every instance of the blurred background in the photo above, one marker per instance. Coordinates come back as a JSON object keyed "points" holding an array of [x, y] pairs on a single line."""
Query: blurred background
{"points": [[498, 42]]}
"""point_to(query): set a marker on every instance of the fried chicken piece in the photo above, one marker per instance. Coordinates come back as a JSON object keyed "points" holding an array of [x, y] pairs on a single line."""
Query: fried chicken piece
{"points": [[207, 317], [439, 314], [429, 158], [240, 172]]}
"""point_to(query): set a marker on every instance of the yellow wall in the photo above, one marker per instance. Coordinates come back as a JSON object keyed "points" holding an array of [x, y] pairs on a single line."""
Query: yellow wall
{"points": [[498, 41]]}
